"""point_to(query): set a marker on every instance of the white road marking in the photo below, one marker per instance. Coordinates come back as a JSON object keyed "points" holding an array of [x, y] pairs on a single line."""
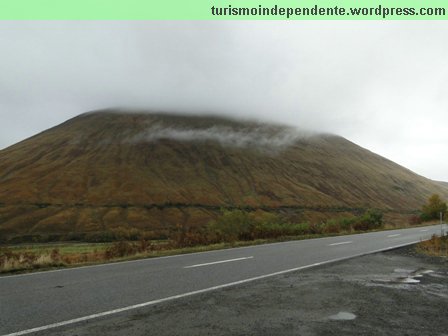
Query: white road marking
{"points": [[170, 298], [341, 243], [155, 259], [218, 262], [424, 230], [394, 235]]}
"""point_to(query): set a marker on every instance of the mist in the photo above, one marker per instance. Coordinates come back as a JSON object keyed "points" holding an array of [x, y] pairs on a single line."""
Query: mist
{"points": [[382, 85], [261, 137]]}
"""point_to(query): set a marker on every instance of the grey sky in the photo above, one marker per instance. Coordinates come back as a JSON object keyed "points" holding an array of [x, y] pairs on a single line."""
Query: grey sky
{"points": [[383, 85]]}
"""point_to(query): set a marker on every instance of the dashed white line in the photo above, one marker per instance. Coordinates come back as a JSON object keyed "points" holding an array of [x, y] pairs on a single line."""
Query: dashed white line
{"points": [[394, 235], [170, 298], [424, 230], [341, 243], [219, 262]]}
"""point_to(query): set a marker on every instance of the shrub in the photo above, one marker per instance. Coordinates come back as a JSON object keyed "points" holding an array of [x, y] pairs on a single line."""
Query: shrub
{"points": [[372, 219], [432, 209], [415, 219], [15, 261], [240, 225], [75, 236], [26, 239], [235, 225], [346, 224], [231, 226], [316, 228], [437, 246], [302, 229], [120, 249], [332, 226], [100, 237]]}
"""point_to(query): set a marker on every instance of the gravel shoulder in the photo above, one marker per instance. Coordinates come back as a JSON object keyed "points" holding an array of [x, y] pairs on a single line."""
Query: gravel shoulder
{"points": [[392, 293]]}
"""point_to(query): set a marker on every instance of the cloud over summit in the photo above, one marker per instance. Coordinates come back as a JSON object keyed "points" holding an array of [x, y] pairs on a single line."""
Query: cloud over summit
{"points": [[259, 137]]}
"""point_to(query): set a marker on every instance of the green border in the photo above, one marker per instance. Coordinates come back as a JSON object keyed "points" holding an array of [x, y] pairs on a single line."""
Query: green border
{"points": [[199, 9]]}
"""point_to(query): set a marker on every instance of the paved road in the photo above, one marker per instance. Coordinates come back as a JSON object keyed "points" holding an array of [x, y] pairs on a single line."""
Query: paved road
{"points": [[40, 301]]}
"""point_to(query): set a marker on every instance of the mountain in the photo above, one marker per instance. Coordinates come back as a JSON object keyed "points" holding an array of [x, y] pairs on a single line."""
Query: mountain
{"points": [[152, 171], [443, 184]]}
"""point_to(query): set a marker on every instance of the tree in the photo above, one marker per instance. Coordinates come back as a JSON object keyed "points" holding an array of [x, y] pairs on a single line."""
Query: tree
{"points": [[433, 208]]}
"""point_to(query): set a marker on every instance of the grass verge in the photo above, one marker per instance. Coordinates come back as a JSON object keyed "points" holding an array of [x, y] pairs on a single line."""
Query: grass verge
{"points": [[45, 256], [436, 246]]}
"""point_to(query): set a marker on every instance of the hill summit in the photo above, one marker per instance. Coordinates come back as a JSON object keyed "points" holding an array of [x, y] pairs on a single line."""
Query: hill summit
{"points": [[152, 171]]}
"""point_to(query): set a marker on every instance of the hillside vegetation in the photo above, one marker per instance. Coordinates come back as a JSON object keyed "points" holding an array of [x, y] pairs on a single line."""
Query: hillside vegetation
{"points": [[155, 172]]}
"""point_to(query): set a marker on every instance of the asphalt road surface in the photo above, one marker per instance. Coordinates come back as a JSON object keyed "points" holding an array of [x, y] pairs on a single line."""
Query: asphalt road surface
{"points": [[38, 302]]}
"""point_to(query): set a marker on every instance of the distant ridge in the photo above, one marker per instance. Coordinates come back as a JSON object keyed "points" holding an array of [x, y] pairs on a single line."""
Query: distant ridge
{"points": [[153, 171]]}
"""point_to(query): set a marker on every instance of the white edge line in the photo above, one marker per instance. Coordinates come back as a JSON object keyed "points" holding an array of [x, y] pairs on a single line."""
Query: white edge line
{"points": [[219, 262], [174, 297], [341, 243], [111, 264]]}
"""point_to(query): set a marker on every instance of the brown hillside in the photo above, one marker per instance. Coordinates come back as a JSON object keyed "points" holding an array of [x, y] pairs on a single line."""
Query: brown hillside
{"points": [[153, 171]]}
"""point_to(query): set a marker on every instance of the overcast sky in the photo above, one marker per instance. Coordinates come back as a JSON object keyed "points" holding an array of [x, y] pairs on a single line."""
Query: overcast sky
{"points": [[382, 85]]}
